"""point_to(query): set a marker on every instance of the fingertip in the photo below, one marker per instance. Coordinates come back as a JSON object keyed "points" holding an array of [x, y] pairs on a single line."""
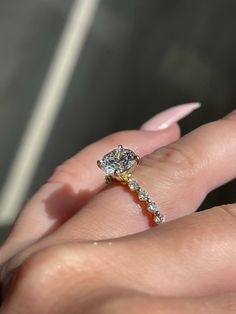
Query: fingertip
{"points": [[170, 116]]}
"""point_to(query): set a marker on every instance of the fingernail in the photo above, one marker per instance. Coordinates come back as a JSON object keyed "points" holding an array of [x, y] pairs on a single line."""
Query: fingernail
{"points": [[170, 116]]}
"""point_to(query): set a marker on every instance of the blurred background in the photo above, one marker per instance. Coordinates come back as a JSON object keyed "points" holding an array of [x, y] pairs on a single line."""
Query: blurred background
{"points": [[73, 71]]}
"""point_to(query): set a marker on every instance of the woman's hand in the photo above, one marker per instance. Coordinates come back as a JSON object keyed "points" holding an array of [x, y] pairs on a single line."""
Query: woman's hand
{"points": [[103, 258]]}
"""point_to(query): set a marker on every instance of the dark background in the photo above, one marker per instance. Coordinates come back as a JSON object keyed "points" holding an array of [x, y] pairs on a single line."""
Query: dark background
{"points": [[140, 57]]}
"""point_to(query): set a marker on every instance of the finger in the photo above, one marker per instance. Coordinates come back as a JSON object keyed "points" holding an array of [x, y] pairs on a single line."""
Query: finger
{"points": [[191, 256], [73, 183], [194, 255], [118, 301], [177, 177], [131, 302]]}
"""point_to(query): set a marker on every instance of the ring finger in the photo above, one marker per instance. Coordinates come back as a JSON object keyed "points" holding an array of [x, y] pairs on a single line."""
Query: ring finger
{"points": [[177, 177]]}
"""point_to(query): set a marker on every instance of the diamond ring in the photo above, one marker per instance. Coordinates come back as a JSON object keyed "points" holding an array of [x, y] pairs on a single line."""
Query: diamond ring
{"points": [[119, 165]]}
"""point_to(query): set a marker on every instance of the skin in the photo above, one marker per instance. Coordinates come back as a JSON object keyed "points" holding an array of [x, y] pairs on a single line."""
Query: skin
{"points": [[79, 248]]}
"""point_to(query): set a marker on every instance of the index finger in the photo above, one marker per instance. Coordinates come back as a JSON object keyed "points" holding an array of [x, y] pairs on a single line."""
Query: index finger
{"points": [[73, 183]]}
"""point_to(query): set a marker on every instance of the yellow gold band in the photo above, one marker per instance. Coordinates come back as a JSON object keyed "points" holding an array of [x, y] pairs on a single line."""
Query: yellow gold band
{"points": [[118, 165]]}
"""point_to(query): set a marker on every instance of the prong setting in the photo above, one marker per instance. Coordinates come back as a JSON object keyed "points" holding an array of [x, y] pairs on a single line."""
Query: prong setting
{"points": [[118, 161], [118, 165]]}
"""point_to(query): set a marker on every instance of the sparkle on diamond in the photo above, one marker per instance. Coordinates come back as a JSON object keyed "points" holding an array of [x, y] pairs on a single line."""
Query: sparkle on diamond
{"points": [[118, 161], [159, 219], [152, 207], [133, 185], [143, 195]]}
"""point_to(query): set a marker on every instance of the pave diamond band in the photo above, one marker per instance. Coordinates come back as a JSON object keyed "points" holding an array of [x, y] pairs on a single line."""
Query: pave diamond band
{"points": [[144, 197], [119, 165]]}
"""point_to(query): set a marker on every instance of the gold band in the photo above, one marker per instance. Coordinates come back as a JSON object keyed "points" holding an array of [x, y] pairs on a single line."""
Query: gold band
{"points": [[119, 165]]}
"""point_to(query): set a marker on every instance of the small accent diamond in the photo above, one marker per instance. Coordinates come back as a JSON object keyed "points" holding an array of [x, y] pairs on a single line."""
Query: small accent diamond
{"points": [[152, 207], [133, 185], [160, 219], [143, 195]]}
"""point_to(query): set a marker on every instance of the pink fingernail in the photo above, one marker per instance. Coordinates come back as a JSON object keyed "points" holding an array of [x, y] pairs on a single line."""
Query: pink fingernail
{"points": [[168, 117]]}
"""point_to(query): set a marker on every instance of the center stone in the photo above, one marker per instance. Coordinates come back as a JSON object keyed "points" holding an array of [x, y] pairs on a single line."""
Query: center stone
{"points": [[118, 161]]}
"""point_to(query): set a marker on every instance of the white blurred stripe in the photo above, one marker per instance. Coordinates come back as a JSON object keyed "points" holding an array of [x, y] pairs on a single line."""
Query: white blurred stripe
{"points": [[46, 109]]}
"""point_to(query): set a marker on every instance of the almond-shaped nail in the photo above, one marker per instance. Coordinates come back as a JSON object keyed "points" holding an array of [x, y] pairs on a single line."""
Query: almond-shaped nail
{"points": [[170, 116]]}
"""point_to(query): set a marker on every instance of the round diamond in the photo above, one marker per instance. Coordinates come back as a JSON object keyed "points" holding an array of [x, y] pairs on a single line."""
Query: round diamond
{"points": [[143, 195], [118, 161], [152, 207], [160, 219], [133, 185]]}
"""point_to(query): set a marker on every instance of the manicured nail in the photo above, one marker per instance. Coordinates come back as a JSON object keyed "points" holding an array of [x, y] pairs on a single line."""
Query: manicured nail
{"points": [[170, 116]]}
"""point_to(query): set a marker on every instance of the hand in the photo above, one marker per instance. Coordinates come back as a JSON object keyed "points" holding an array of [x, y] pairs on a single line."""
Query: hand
{"points": [[78, 248]]}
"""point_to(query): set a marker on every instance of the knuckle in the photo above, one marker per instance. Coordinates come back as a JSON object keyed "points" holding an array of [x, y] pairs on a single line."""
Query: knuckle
{"points": [[45, 273], [64, 172], [43, 266], [180, 162]]}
